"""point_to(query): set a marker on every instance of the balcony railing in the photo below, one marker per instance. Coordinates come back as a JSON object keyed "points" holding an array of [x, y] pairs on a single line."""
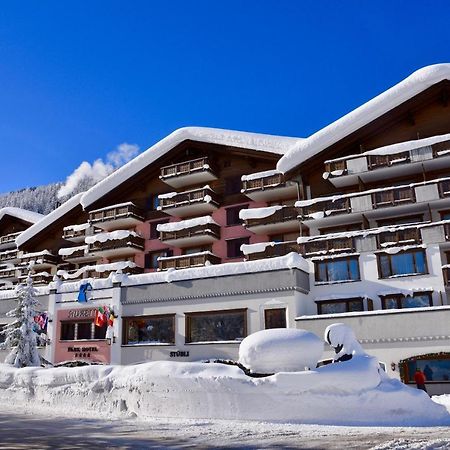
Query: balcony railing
{"points": [[285, 214], [211, 229], [399, 237], [378, 161], [117, 216], [184, 201], [393, 197], [336, 167], [441, 149], [277, 249], [328, 246], [326, 208], [7, 274], [268, 186], [187, 261], [39, 259], [9, 255], [195, 171], [9, 238], [111, 245]]}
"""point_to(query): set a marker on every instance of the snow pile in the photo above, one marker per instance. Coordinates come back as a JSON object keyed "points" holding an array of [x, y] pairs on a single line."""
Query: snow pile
{"points": [[112, 236], [75, 228], [67, 251], [280, 350], [184, 224], [259, 213], [20, 213], [350, 393], [257, 175]]}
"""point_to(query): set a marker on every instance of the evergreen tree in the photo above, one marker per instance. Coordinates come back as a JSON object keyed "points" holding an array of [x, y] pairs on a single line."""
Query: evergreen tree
{"points": [[20, 335]]}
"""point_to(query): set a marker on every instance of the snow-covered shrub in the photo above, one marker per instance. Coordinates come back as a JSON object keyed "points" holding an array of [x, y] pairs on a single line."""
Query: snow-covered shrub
{"points": [[20, 335], [280, 350]]}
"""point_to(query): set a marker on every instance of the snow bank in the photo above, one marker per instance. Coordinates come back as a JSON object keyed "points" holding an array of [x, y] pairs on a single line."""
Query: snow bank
{"points": [[280, 350], [350, 393]]}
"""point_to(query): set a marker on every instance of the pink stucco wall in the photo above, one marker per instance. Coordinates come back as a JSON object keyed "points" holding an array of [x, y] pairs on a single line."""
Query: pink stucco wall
{"points": [[92, 350], [219, 247]]}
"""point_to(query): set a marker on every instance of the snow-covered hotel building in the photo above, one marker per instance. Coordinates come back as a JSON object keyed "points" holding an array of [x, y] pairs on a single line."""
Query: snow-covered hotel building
{"points": [[211, 235]]}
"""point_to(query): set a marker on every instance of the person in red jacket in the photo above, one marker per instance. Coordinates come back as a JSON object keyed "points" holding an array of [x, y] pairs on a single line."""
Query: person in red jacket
{"points": [[420, 379]]}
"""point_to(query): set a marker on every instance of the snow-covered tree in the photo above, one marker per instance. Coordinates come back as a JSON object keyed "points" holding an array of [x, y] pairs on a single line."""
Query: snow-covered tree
{"points": [[20, 335]]}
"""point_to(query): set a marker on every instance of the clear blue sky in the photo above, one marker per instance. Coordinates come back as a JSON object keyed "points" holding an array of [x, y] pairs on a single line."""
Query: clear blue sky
{"points": [[79, 78]]}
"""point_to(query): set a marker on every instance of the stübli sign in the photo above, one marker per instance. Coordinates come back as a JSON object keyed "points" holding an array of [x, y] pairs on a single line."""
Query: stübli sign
{"points": [[81, 313], [179, 354]]}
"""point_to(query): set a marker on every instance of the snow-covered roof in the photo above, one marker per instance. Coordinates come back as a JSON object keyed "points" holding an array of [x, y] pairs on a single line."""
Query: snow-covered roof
{"points": [[419, 81], [22, 214], [48, 219], [261, 142]]}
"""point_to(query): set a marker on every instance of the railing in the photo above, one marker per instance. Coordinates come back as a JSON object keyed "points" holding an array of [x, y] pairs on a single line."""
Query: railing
{"points": [[186, 261], [116, 212], [262, 183], [285, 214], [76, 254], [441, 149], [336, 166], [113, 244], [39, 259], [326, 208], [210, 229], [71, 234], [444, 188], [9, 238], [446, 273], [8, 273], [399, 237], [327, 246], [278, 249], [185, 168], [7, 256], [393, 197], [378, 161], [205, 195]]}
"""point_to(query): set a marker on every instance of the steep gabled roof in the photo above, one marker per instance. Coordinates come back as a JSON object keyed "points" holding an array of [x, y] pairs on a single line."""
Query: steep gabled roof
{"points": [[259, 142], [419, 81], [22, 214], [48, 219]]}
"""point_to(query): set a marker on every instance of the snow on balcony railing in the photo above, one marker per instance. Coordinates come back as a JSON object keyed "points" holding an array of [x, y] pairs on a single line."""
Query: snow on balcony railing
{"points": [[263, 250], [176, 199], [189, 228], [74, 231], [123, 266], [42, 257], [9, 238], [269, 215], [262, 180]]}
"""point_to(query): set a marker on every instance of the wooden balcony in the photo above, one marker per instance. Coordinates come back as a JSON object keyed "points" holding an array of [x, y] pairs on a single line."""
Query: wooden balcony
{"points": [[75, 233], [76, 254], [115, 248], [200, 201], [277, 249], [380, 161], [191, 237], [38, 278], [188, 173], [117, 217], [324, 246], [281, 221], [393, 197], [78, 274], [9, 274], [268, 187], [10, 256], [8, 240], [41, 260], [326, 208], [399, 237], [188, 261]]}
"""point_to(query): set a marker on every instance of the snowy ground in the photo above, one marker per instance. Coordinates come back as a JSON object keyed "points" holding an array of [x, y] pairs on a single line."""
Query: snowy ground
{"points": [[42, 429]]}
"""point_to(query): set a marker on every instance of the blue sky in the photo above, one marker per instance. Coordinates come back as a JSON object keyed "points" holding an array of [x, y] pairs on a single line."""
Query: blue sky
{"points": [[79, 78]]}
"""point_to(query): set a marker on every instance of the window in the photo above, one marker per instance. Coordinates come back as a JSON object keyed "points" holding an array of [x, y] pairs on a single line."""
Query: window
{"points": [[2, 336], [400, 301], [233, 185], [151, 258], [154, 233], [215, 326], [435, 367], [149, 330], [339, 306], [75, 331], [152, 202], [334, 270], [404, 263], [234, 247], [275, 318], [233, 215]]}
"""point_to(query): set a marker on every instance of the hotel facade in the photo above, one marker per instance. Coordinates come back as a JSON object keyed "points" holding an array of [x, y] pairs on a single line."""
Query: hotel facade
{"points": [[211, 235]]}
